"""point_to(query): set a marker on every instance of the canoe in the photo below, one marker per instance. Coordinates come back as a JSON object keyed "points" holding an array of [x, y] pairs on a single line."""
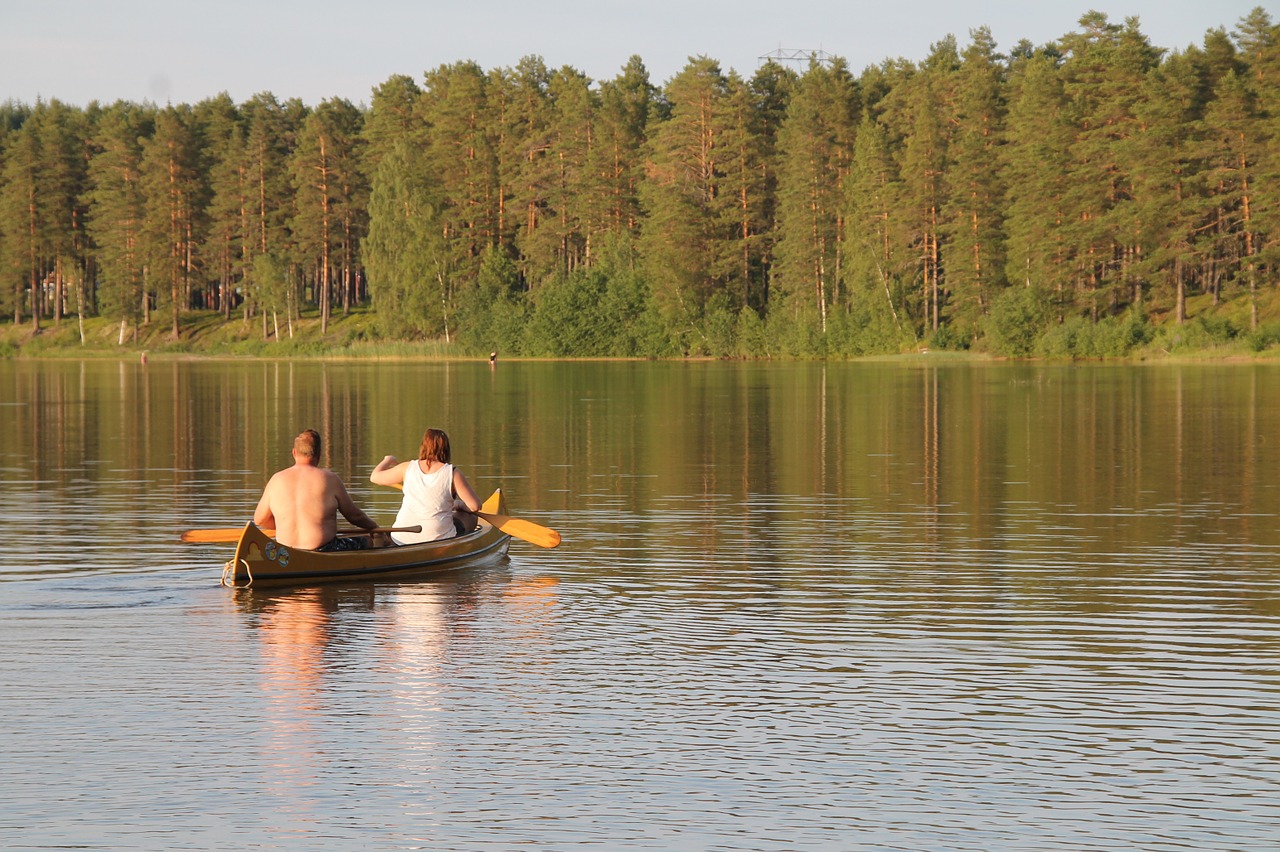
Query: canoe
{"points": [[260, 561]]}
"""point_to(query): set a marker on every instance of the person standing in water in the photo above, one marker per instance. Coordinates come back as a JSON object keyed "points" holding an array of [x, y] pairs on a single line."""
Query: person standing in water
{"points": [[436, 494]]}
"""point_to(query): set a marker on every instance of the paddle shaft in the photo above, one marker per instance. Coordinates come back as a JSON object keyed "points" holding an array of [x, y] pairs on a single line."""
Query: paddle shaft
{"points": [[226, 534]]}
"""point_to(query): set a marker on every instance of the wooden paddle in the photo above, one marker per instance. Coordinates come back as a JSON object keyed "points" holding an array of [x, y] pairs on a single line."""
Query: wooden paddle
{"points": [[233, 533], [517, 527], [520, 528]]}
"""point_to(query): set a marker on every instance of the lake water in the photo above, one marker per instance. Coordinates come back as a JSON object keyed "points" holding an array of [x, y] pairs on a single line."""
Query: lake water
{"points": [[797, 606]]}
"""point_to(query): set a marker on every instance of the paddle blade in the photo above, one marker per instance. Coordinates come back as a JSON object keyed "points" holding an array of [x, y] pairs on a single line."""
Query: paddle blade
{"points": [[522, 529]]}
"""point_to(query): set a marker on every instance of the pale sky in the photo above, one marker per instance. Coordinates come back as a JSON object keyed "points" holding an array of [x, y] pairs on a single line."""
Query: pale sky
{"points": [[183, 51]]}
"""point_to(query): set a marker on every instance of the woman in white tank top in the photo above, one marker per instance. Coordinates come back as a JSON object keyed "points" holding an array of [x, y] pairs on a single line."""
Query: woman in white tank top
{"points": [[436, 494]]}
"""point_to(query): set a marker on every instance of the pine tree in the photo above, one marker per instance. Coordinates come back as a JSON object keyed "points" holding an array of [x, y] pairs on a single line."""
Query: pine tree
{"points": [[771, 87], [329, 193], [44, 179], [1035, 163], [746, 197], [171, 185], [880, 256], [926, 160], [972, 215], [625, 104], [680, 234], [407, 251], [65, 155], [270, 135], [12, 116], [520, 102], [815, 150], [1259, 40], [1235, 141], [117, 211], [455, 106], [570, 195], [1166, 167], [391, 117], [22, 219], [1102, 81], [229, 245]]}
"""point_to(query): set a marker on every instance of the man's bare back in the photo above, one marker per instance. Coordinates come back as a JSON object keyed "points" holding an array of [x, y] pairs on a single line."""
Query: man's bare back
{"points": [[302, 502]]}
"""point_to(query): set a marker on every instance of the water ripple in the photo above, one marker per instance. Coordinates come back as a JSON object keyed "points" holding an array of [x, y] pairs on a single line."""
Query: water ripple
{"points": [[707, 670]]}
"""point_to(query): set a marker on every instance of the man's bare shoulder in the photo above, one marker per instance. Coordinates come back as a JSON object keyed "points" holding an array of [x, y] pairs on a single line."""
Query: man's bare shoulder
{"points": [[319, 478], [276, 478], [333, 479], [287, 474]]}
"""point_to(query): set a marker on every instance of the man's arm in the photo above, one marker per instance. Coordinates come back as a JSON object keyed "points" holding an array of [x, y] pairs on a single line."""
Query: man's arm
{"points": [[349, 509], [263, 516]]}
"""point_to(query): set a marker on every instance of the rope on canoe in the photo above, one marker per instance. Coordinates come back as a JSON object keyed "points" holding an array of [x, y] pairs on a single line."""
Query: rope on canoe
{"points": [[230, 568]]}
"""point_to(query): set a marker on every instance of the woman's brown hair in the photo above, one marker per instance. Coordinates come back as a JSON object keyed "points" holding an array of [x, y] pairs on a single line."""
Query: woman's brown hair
{"points": [[435, 447]]}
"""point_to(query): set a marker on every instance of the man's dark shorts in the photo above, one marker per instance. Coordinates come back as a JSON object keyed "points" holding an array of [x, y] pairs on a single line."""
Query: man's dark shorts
{"points": [[341, 543]]}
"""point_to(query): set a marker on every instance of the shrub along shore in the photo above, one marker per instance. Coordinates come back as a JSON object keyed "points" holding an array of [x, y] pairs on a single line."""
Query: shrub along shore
{"points": [[1210, 333]]}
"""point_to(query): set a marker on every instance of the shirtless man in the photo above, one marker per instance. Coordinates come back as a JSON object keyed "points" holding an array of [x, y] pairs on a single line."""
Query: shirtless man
{"points": [[301, 502]]}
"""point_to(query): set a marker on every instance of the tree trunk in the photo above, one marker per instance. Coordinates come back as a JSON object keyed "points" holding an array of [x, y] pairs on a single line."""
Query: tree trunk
{"points": [[35, 266], [175, 259], [1180, 285], [58, 291], [324, 238]]}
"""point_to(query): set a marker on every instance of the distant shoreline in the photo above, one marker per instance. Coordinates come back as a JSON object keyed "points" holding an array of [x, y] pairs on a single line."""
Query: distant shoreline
{"points": [[63, 343]]}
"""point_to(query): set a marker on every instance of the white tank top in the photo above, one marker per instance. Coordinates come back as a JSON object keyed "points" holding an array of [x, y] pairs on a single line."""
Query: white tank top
{"points": [[428, 500]]}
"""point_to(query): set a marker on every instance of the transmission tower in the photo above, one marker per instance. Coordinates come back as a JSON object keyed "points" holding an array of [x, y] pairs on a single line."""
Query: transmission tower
{"points": [[786, 54]]}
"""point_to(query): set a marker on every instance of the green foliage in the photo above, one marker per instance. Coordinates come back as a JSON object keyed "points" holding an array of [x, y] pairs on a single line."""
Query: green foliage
{"points": [[795, 334], [1110, 337], [405, 254], [869, 328], [973, 218], [172, 181], [752, 338], [717, 330], [1205, 332], [1017, 315], [950, 337], [257, 183], [815, 149], [592, 314], [493, 316], [330, 198], [272, 274], [682, 239], [1266, 336]]}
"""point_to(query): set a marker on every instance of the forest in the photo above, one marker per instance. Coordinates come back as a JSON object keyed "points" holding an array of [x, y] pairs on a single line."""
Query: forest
{"points": [[1073, 198]]}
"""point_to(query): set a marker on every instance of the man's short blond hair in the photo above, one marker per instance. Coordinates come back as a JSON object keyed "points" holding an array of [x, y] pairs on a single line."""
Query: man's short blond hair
{"points": [[307, 444]]}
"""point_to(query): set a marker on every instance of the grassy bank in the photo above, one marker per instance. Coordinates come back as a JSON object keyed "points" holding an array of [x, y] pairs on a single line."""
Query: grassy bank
{"points": [[1212, 332], [207, 334]]}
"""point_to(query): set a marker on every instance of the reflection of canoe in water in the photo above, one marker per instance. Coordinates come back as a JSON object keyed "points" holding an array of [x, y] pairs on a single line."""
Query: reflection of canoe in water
{"points": [[259, 561]]}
